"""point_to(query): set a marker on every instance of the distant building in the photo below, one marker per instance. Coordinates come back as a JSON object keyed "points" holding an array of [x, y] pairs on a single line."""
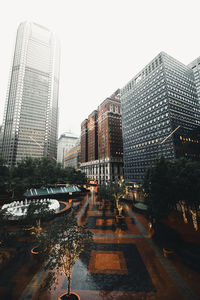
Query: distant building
{"points": [[31, 108], [66, 141], [160, 116], [101, 142], [84, 141], [72, 157]]}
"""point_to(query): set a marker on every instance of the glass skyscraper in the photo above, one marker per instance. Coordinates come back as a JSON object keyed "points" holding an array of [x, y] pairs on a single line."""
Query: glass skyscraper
{"points": [[31, 110], [160, 114]]}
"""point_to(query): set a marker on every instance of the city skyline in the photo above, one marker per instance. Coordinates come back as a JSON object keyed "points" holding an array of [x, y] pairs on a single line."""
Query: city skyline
{"points": [[103, 45]]}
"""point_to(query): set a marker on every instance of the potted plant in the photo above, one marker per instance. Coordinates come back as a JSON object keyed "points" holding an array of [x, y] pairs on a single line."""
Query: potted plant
{"points": [[63, 243]]}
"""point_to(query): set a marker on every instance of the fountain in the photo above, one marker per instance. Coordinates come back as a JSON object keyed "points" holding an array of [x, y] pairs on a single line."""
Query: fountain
{"points": [[18, 209]]}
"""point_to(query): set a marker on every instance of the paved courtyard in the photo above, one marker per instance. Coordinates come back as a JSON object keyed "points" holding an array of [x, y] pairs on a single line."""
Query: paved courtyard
{"points": [[124, 263]]}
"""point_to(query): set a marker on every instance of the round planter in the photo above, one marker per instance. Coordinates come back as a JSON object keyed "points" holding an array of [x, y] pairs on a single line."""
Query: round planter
{"points": [[36, 253], [167, 252], [35, 250], [72, 296]]}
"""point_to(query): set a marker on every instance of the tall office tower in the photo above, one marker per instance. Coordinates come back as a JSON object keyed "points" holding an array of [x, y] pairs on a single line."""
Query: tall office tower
{"points": [[92, 126], [160, 114], [66, 141], [195, 66], [102, 137], [31, 109]]}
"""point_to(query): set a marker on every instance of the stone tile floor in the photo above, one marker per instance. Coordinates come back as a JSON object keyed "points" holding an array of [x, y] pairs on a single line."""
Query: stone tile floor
{"points": [[123, 264]]}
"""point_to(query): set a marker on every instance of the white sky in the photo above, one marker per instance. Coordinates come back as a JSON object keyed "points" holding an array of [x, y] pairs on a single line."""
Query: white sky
{"points": [[104, 43]]}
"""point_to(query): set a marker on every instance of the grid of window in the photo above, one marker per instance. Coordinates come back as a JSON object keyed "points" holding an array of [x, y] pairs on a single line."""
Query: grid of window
{"points": [[30, 118], [162, 97]]}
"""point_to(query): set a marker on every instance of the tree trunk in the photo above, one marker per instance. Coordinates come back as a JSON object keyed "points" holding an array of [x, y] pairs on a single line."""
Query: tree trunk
{"points": [[68, 284]]}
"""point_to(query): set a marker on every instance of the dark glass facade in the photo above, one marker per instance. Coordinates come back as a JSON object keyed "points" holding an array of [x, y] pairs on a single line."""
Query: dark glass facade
{"points": [[159, 106]]}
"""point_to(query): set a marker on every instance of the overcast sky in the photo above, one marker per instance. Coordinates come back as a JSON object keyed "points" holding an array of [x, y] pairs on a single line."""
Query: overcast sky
{"points": [[104, 43]]}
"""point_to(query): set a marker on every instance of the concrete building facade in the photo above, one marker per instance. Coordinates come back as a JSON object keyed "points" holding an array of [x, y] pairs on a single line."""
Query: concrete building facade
{"points": [[160, 110], [195, 66], [66, 141], [73, 156]]}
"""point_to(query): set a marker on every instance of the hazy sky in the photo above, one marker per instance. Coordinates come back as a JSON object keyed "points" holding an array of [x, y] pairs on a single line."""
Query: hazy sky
{"points": [[104, 43]]}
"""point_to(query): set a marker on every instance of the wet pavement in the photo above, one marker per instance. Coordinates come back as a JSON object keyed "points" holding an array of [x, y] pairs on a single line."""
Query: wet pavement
{"points": [[124, 263]]}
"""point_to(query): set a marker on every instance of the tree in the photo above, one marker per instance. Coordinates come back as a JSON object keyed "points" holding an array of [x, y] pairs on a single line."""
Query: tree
{"points": [[170, 182], [158, 189], [118, 190], [73, 176], [35, 213], [114, 191], [8, 239], [105, 192], [4, 176], [63, 243]]}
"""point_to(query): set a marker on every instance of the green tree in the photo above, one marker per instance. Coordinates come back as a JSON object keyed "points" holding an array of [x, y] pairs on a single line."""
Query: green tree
{"points": [[114, 191], [118, 190], [170, 182], [158, 190], [35, 213], [47, 172], [63, 243], [73, 176], [4, 176]]}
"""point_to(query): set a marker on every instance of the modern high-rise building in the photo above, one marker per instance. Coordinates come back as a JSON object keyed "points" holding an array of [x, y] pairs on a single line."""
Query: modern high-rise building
{"points": [[195, 66], [160, 116], [31, 109], [66, 141], [101, 142]]}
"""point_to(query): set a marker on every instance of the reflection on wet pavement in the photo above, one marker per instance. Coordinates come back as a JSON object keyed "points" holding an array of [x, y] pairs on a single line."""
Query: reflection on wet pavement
{"points": [[123, 263]]}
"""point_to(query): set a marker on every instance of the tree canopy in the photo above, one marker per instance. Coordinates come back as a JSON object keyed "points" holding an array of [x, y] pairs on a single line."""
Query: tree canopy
{"points": [[35, 173], [62, 245], [169, 182]]}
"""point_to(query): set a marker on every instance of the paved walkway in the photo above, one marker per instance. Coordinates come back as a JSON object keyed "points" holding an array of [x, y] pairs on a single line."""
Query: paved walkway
{"points": [[123, 264]]}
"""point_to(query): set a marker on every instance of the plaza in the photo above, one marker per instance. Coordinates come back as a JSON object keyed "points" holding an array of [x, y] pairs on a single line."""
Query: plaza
{"points": [[124, 263]]}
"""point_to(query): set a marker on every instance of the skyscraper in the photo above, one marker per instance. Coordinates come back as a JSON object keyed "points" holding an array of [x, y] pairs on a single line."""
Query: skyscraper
{"points": [[101, 142], [31, 109], [160, 116], [195, 66]]}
